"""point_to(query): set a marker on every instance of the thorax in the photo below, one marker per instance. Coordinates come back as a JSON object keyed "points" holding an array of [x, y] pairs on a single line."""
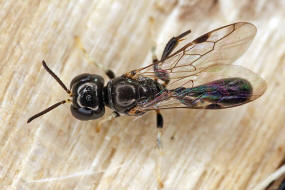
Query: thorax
{"points": [[122, 94]]}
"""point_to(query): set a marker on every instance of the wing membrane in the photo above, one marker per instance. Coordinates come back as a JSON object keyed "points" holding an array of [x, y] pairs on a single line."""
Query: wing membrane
{"points": [[220, 46]]}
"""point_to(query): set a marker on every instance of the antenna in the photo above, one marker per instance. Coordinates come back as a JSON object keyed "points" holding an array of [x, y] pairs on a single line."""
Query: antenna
{"points": [[58, 103], [55, 77]]}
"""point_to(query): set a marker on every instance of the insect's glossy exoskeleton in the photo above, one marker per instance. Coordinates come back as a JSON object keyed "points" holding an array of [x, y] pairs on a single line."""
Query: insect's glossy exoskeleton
{"points": [[89, 96], [193, 74], [122, 94]]}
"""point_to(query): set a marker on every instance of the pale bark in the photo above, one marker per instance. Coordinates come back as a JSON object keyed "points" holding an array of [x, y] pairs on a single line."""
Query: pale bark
{"points": [[228, 149]]}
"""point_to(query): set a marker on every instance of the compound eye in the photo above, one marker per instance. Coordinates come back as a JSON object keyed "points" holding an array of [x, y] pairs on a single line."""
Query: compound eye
{"points": [[86, 113]]}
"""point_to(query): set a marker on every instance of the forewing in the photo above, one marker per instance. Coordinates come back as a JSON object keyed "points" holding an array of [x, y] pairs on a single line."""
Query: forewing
{"points": [[220, 46], [218, 86]]}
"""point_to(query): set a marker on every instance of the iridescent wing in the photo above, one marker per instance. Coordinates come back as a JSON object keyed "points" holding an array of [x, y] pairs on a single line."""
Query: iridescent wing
{"points": [[199, 72], [218, 86], [220, 46]]}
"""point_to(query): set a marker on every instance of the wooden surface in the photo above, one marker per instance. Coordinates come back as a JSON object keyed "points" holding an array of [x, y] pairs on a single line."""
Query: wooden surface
{"points": [[229, 149]]}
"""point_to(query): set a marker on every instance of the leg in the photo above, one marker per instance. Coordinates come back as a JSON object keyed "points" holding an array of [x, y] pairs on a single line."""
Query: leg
{"points": [[159, 73], [107, 71], [162, 75], [112, 116], [159, 126], [172, 43], [159, 118]]}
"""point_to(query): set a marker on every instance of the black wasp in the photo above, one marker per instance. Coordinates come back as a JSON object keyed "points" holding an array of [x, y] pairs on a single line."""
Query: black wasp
{"points": [[190, 74]]}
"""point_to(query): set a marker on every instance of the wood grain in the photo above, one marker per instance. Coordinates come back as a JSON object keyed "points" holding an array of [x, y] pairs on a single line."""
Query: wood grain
{"points": [[229, 149]]}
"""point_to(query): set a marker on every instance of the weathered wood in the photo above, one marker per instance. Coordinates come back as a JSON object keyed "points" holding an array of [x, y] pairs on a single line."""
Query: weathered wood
{"points": [[229, 149]]}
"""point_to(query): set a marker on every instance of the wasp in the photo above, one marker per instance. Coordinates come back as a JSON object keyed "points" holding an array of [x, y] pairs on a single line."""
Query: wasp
{"points": [[192, 74]]}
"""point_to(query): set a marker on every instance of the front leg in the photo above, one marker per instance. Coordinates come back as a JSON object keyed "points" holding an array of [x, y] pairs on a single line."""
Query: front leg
{"points": [[107, 71]]}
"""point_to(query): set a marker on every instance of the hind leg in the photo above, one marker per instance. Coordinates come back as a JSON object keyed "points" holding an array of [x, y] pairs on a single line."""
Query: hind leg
{"points": [[159, 72], [159, 127], [172, 43]]}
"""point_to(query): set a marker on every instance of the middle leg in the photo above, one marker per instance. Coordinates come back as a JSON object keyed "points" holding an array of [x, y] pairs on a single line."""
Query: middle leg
{"points": [[112, 116]]}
